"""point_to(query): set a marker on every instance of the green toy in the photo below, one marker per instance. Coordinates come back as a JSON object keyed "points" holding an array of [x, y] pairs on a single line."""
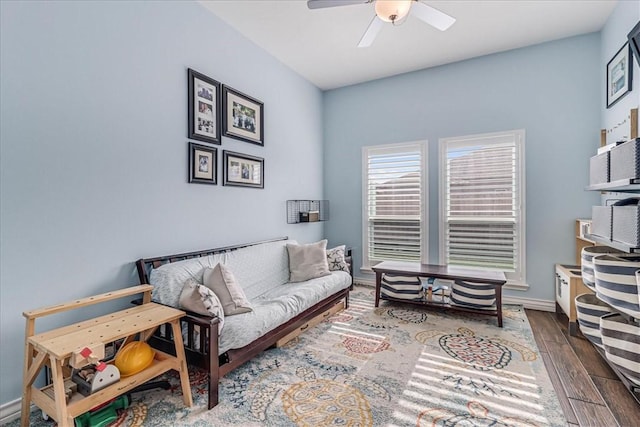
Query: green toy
{"points": [[103, 415]]}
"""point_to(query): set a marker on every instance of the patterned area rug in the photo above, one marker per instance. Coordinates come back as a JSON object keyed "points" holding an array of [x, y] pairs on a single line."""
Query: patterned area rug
{"points": [[391, 366]]}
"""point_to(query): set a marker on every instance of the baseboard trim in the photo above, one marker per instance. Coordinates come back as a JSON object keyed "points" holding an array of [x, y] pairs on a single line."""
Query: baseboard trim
{"points": [[11, 411], [531, 303]]}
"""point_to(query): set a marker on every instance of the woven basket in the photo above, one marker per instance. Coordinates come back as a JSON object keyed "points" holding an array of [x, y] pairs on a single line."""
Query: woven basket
{"points": [[621, 341], [587, 255], [616, 282], [589, 310]]}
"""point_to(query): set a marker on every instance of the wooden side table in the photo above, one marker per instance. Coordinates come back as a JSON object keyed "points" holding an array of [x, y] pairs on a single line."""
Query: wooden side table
{"points": [[56, 347], [495, 278]]}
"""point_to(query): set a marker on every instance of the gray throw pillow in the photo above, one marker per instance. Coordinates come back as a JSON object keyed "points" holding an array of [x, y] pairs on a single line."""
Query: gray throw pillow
{"points": [[308, 261], [222, 282], [201, 300]]}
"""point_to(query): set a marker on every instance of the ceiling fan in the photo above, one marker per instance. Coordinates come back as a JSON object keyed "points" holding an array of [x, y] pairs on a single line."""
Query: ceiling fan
{"points": [[393, 11]]}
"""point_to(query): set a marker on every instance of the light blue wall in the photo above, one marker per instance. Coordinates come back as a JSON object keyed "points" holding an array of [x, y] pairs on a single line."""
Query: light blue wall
{"points": [[551, 90], [94, 150], [613, 36]]}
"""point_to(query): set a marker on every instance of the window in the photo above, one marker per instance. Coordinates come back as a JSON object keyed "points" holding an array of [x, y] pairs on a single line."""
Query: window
{"points": [[394, 214], [482, 203]]}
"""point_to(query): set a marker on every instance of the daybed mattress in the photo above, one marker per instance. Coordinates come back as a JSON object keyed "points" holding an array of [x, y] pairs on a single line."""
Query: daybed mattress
{"points": [[277, 306]]}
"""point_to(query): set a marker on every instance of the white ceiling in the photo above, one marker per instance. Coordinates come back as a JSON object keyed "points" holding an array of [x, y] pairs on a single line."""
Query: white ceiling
{"points": [[321, 44]]}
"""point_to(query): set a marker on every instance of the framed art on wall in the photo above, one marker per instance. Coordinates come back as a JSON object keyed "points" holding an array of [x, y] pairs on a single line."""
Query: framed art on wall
{"points": [[619, 75], [243, 116], [204, 107], [242, 170], [203, 164]]}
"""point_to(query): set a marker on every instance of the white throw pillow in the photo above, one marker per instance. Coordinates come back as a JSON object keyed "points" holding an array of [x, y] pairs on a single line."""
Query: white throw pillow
{"points": [[201, 300], [221, 281], [336, 259], [308, 261]]}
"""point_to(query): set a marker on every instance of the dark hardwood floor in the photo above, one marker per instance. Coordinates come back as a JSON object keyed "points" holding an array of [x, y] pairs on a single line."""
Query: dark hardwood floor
{"points": [[590, 393]]}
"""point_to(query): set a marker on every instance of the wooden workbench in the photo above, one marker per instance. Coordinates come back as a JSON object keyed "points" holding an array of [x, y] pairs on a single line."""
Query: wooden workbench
{"points": [[55, 348]]}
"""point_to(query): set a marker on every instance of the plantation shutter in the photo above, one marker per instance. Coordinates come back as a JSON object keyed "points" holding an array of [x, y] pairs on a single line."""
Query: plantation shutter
{"points": [[394, 203], [482, 202]]}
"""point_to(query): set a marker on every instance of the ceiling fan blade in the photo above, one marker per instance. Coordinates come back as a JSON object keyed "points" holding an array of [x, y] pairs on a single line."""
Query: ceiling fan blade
{"points": [[372, 31], [319, 4], [432, 16]]}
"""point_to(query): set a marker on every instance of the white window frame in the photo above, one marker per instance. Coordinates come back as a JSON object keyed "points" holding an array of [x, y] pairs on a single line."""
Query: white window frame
{"points": [[515, 280], [424, 198]]}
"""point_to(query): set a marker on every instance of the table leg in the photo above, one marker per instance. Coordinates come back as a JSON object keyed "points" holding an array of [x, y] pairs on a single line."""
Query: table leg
{"points": [[499, 303], [378, 283], [184, 372]]}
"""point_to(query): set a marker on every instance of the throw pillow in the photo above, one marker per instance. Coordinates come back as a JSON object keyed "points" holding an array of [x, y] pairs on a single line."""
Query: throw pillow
{"points": [[201, 300], [308, 261], [476, 295], [221, 281], [335, 258]]}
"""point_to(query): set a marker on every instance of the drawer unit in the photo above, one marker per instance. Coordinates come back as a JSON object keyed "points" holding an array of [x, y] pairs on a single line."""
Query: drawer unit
{"points": [[311, 323], [569, 285]]}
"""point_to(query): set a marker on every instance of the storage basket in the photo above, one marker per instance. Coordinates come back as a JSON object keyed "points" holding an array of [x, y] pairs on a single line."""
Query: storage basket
{"points": [[599, 169], [401, 287], [621, 341], [589, 310], [601, 221], [624, 161], [586, 264], [625, 222], [616, 282]]}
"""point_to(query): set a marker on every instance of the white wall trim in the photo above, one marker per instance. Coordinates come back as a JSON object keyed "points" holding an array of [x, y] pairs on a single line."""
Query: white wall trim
{"points": [[11, 411], [531, 303]]}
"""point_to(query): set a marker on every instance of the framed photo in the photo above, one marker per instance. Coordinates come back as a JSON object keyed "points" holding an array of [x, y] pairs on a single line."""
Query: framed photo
{"points": [[242, 170], [204, 108], [619, 75], [243, 116], [203, 164]]}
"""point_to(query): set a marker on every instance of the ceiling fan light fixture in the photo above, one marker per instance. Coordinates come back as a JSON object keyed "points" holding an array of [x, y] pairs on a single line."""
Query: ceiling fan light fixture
{"points": [[392, 10]]}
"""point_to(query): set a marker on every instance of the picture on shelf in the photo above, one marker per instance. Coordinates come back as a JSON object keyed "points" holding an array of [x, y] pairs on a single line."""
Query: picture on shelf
{"points": [[204, 108]]}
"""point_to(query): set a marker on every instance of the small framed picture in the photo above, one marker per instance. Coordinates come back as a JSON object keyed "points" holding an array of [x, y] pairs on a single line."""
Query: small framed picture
{"points": [[243, 116], [204, 108], [242, 170], [203, 164], [619, 75]]}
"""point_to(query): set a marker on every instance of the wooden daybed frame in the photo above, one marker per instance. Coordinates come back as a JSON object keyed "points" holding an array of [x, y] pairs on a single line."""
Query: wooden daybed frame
{"points": [[203, 351]]}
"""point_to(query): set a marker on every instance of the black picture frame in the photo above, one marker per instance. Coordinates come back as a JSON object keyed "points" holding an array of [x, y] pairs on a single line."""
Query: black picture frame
{"points": [[619, 75], [203, 164], [243, 116], [204, 107], [242, 170], [634, 41]]}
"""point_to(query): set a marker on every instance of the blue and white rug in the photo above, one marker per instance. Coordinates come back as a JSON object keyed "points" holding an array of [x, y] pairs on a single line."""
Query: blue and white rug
{"points": [[395, 365]]}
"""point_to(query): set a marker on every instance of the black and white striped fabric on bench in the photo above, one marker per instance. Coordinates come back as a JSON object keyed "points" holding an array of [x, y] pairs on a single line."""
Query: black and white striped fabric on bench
{"points": [[471, 294], [401, 287]]}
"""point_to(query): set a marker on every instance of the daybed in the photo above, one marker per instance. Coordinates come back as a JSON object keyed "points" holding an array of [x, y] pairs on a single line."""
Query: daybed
{"points": [[278, 306]]}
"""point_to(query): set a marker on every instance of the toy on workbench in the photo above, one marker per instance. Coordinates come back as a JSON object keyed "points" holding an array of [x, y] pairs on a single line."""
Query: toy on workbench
{"points": [[91, 373]]}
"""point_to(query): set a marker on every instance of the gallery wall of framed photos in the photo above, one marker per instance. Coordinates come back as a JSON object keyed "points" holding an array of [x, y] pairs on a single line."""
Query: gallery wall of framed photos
{"points": [[216, 110]]}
